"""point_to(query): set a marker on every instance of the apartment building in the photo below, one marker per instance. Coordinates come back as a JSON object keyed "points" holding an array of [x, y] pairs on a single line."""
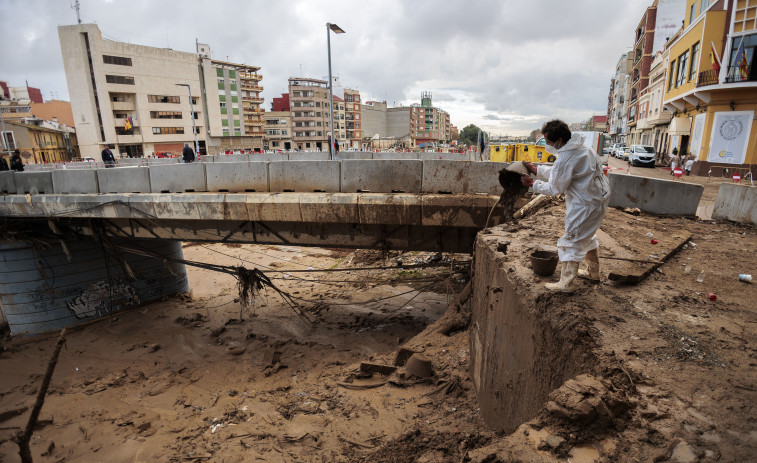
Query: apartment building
{"points": [[418, 126], [309, 107], [658, 23], [353, 120], [429, 125], [278, 130], [340, 128], [713, 104], [40, 142], [136, 99], [33, 94], [621, 88], [233, 114]]}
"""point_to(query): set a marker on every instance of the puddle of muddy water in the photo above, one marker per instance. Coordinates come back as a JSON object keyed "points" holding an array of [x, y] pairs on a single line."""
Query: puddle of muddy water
{"points": [[583, 454]]}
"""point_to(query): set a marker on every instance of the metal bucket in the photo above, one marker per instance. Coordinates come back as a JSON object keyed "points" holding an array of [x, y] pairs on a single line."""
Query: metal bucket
{"points": [[544, 262]]}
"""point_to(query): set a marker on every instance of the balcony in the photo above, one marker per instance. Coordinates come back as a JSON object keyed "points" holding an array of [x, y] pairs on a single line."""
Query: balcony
{"points": [[248, 110], [708, 77], [252, 88], [122, 105], [251, 99], [734, 75]]}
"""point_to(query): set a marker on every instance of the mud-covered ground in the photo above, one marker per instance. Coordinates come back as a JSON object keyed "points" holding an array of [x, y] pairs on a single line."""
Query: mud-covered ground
{"points": [[186, 379]]}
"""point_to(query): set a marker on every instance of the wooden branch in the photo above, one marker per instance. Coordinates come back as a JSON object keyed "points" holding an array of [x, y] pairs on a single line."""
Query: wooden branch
{"points": [[534, 205], [636, 278], [456, 317], [25, 437]]}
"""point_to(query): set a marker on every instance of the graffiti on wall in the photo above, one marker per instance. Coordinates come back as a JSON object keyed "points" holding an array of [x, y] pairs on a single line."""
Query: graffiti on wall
{"points": [[98, 299]]}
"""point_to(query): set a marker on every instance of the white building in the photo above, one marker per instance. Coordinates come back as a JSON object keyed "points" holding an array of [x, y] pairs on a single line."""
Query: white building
{"points": [[110, 83]]}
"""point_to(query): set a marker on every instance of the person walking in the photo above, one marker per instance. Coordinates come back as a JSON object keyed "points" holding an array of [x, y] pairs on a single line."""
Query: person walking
{"points": [[3, 164], [108, 159], [577, 172], [188, 153], [687, 167], [16, 163]]}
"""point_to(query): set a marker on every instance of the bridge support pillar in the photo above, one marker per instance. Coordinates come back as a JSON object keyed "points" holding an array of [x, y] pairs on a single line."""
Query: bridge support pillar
{"points": [[46, 287]]}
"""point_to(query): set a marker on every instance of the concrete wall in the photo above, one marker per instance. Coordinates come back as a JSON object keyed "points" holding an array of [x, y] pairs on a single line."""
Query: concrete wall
{"points": [[737, 203], [656, 196], [348, 176]]}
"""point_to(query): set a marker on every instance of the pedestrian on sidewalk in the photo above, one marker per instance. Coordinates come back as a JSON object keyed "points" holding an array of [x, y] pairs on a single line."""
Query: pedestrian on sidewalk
{"points": [[16, 163], [577, 172], [688, 165], [188, 153], [3, 164], [108, 159]]}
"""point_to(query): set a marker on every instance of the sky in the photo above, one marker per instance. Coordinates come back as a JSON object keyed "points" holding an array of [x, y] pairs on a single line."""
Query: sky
{"points": [[505, 65]]}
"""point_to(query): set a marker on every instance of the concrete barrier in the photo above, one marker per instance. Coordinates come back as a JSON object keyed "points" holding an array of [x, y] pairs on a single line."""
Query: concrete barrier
{"points": [[382, 176], [236, 176], [444, 156], [656, 196], [75, 181], [309, 156], [342, 155], [304, 176], [7, 182], [39, 182], [737, 203], [178, 178], [162, 161], [124, 180], [467, 177], [231, 158], [383, 155]]}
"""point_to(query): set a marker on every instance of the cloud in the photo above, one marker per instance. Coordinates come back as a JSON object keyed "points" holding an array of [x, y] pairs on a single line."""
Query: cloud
{"points": [[505, 65]]}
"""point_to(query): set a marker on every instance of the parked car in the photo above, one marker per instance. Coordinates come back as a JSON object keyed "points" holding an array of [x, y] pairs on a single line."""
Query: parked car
{"points": [[626, 154], [617, 149], [642, 155]]}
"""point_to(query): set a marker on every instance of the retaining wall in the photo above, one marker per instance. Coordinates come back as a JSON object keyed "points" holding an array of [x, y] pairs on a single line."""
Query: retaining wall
{"points": [[737, 203]]}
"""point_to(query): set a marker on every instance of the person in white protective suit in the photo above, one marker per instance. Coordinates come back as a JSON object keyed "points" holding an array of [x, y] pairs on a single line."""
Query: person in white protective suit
{"points": [[577, 172]]}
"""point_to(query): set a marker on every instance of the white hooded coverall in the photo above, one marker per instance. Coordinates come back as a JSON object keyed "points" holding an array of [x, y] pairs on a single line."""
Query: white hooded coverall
{"points": [[577, 173]]}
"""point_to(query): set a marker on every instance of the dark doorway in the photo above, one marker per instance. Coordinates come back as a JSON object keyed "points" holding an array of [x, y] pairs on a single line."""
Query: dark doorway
{"points": [[132, 151], [287, 145], [684, 150]]}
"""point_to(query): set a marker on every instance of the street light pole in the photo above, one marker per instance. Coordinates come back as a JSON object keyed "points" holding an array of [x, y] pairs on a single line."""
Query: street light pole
{"points": [[337, 30], [192, 113]]}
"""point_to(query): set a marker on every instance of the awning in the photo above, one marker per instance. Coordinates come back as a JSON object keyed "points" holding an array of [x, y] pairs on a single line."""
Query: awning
{"points": [[680, 126]]}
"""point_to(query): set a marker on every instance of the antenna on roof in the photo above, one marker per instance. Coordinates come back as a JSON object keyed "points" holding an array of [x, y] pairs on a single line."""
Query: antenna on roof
{"points": [[75, 6]]}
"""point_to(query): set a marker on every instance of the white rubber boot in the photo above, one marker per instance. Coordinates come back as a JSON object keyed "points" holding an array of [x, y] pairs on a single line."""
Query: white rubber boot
{"points": [[567, 275], [592, 266]]}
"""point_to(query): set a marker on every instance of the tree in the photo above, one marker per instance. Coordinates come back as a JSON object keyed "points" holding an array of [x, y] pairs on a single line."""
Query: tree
{"points": [[469, 135], [534, 135]]}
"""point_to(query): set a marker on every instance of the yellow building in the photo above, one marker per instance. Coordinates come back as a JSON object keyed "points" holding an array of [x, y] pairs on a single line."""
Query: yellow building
{"points": [[40, 145], [714, 109]]}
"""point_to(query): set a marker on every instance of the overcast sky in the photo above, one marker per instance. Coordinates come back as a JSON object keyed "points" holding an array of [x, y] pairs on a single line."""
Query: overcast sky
{"points": [[504, 65]]}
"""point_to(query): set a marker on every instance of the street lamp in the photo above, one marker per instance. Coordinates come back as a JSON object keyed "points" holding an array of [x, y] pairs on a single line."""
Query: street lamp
{"points": [[192, 113], [337, 30]]}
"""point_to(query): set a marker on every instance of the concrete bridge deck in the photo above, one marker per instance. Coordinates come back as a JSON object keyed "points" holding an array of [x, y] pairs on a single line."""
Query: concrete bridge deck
{"points": [[353, 220]]}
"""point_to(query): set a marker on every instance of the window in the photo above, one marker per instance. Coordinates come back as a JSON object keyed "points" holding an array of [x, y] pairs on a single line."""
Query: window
{"points": [[670, 75], [219, 72], [235, 99], [232, 75], [125, 80], [703, 7], [283, 131], [168, 130], [691, 13], [117, 98], [232, 81], [224, 123], [163, 99], [236, 123], [233, 87], [221, 85], [693, 65], [235, 111], [165, 114], [119, 60], [222, 98], [223, 105], [682, 71], [222, 91], [11, 141], [224, 111]]}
